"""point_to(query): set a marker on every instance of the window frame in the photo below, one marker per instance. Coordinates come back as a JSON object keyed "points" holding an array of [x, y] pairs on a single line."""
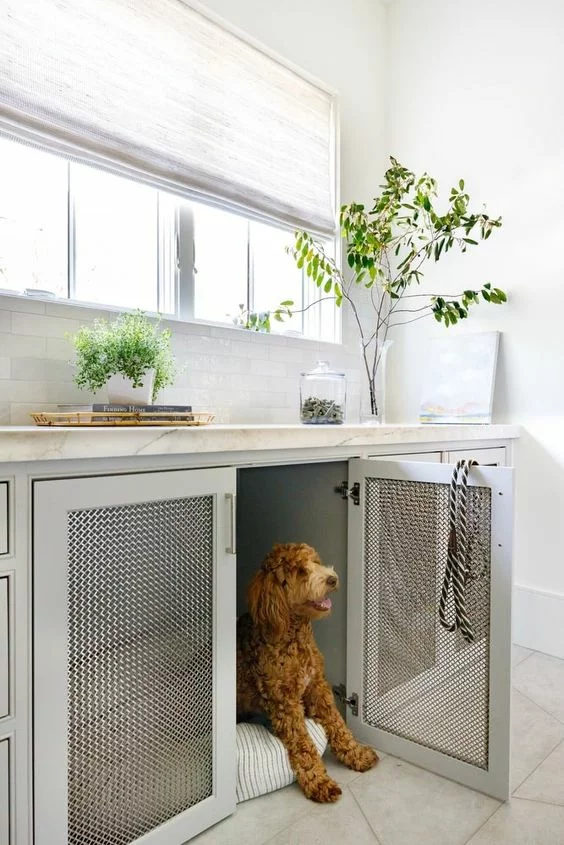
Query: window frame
{"points": [[176, 267]]}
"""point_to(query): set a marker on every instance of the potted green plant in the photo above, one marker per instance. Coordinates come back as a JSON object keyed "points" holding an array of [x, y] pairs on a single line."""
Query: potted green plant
{"points": [[130, 355]]}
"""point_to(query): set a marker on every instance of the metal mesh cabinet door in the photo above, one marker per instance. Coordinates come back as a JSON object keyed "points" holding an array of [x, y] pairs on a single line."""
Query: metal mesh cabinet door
{"points": [[133, 641], [425, 693]]}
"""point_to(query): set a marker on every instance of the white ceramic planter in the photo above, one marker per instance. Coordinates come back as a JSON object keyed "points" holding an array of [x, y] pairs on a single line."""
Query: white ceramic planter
{"points": [[122, 392]]}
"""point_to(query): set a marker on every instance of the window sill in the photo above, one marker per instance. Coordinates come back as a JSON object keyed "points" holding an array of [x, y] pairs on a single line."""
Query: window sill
{"points": [[72, 308]]}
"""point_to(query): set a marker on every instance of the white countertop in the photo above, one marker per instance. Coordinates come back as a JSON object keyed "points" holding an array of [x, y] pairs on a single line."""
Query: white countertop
{"points": [[33, 443]]}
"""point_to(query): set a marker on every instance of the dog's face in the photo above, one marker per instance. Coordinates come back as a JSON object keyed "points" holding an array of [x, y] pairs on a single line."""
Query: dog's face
{"points": [[291, 582]]}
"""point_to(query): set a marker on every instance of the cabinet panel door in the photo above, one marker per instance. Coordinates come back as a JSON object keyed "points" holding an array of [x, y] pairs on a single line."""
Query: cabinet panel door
{"points": [[134, 657], [4, 649], [4, 520], [424, 693], [5, 802]]}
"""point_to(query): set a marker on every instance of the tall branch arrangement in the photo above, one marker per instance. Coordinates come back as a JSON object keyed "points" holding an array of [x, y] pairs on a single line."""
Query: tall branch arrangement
{"points": [[386, 248]]}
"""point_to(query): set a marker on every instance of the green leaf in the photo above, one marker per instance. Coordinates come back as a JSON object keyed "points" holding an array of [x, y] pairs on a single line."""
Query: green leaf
{"points": [[287, 302], [328, 286]]}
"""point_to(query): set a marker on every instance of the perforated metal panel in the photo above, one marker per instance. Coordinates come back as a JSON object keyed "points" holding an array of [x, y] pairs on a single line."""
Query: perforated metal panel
{"points": [[421, 682], [140, 666]]}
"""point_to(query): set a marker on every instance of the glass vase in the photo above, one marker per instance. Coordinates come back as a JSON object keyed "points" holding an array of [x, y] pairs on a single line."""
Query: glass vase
{"points": [[373, 388]]}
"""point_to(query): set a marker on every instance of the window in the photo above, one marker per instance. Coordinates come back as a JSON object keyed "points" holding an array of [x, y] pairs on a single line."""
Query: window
{"points": [[81, 233]]}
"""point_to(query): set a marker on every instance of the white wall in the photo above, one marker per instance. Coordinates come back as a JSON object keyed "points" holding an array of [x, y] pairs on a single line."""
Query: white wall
{"points": [[476, 91], [241, 376]]}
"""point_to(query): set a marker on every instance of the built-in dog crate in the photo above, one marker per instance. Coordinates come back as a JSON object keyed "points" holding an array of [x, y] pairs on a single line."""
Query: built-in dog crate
{"points": [[136, 587]]}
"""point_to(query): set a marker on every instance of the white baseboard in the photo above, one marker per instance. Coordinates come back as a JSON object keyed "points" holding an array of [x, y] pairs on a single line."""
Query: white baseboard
{"points": [[538, 620]]}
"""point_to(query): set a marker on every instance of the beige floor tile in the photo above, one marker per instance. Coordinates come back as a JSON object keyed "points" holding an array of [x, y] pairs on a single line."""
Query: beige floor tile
{"points": [[519, 653], [535, 733], [406, 805], [523, 823], [541, 678], [258, 820], [547, 782], [333, 824]]}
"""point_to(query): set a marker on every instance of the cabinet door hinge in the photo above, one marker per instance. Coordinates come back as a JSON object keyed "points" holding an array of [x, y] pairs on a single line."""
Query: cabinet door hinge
{"points": [[353, 493], [340, 693]]}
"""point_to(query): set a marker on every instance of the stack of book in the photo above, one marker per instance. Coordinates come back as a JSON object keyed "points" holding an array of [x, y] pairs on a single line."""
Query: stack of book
{"points": [[108, 408]]}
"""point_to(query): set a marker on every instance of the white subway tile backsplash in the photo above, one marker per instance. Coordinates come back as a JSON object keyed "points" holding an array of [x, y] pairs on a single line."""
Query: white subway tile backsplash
{"points": [[287, 354], [41, 325], [273, 369], [24, 346], [59, 349], [41, 369], [241, 376], [25, 304], [23, 391]]}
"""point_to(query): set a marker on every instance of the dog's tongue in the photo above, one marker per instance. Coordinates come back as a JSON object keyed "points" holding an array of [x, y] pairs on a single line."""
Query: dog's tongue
{"points": [[324, 604]]}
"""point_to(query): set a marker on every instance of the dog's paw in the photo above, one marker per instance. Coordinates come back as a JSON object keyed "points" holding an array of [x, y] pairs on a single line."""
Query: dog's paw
{"points": [[324, 791], [362, 758]]}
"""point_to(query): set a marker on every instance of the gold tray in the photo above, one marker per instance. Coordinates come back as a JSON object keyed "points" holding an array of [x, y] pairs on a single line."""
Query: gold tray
{"points": [[123, 418]]}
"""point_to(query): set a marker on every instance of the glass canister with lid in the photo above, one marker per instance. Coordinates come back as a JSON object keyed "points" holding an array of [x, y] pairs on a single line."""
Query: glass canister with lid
{"points": [[323, 395]]}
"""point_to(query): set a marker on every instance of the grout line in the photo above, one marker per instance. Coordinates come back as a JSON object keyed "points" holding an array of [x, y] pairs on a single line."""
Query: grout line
{"points": [[526, 657], [355, 799], [558, 744], [538, 801], [484, 823], [544, 710]]}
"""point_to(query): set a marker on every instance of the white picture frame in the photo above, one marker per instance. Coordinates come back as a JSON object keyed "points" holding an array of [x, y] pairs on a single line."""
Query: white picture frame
{"points": [[458, 386]]}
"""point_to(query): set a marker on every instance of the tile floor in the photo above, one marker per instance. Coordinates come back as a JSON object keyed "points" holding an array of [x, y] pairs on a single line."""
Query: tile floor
{"points": [[400, 804]]}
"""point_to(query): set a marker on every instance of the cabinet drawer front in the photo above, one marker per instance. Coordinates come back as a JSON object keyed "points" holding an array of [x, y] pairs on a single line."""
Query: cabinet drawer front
{"points": [[5, 791], [4, 650], [493, 456], [432, 457], [4, 530]]}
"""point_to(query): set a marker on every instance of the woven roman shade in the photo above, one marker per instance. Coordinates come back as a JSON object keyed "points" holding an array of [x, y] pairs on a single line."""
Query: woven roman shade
{"points": [[160, 91]]}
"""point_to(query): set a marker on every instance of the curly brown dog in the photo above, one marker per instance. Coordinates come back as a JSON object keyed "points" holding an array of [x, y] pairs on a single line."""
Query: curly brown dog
{"points": [[280, 669]]}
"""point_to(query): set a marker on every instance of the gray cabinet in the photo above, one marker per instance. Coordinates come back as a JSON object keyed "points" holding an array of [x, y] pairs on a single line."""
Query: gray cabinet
{"points": [[424, 693], [134, 656]]}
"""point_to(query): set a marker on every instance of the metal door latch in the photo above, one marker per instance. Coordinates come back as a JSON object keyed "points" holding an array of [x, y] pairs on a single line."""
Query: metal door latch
{"points": [[340, 692], [353, 493]]}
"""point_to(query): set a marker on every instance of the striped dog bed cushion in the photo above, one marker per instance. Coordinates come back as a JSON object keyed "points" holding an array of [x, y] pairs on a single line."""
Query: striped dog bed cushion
{"points": [[262, 760]]}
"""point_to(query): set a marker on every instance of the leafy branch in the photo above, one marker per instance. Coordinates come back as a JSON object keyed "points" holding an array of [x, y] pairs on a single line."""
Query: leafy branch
{"points": [[386, 247]]}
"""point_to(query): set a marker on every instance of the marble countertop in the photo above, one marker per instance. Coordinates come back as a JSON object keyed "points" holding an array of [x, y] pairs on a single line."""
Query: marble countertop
{"points": [[32, 443]]}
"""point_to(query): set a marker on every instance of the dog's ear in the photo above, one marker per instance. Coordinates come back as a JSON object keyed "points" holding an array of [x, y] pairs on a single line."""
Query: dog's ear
{"points": [[267, 604]]}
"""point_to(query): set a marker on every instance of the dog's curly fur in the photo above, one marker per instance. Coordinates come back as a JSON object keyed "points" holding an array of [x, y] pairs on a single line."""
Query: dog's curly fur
{"points": [[280, 670]]}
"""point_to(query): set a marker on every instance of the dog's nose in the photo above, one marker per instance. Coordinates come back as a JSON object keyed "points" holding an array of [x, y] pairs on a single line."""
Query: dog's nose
{"points": [[332, 580]]}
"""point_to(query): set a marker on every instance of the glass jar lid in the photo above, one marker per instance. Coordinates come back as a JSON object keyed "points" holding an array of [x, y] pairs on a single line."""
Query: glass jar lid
{"points": [[323, 370]]}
